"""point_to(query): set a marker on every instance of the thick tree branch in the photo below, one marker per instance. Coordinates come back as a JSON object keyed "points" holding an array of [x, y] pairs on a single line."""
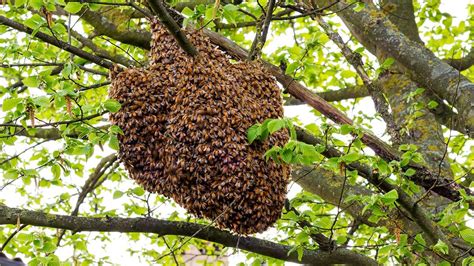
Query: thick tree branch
{"points": [[103, 26], [57, 123], [50, 133], [164, 227], [401, 13], [372, 26], [418, 214], [58, 43]]}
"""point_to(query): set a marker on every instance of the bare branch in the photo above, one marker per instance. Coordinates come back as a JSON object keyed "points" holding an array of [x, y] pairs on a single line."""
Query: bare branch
{"points": [[381, 104], [164, 227], [90, 185], [262, 31]]}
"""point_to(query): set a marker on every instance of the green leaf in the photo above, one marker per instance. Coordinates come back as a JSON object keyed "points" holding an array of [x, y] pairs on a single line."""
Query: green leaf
{"points": [[346, 129], [112, 105], [114, 129], [73, 7], [272, 153], [410, 172], [36, 4], [286, 155], [32, 82], [300, 251], [351, 157], [138, 191], [48, 247], [19, 3], [11, 174], [114, 143], [10, 103], [419, 244], [359, 6], [275, 125], [468, 235], [387, 63], [432, 104], [56, 170], [389, 197], [420, 240], [41, 101], [347, 74], [187, 12], [117, 194], [313, 128], [383, 167], [253, 133], [441, 247]]}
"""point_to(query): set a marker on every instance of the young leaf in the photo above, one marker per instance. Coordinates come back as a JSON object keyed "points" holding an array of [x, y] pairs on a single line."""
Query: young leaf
{"points": [[390, 197], [10, 103], [351, 157], [441, 247], [275, 125], [468, 235], [73, 7], [253, 133], [112, 105]]}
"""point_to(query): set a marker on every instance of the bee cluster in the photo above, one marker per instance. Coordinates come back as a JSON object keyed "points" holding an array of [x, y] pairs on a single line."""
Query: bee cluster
{"points": [[185, 120]]}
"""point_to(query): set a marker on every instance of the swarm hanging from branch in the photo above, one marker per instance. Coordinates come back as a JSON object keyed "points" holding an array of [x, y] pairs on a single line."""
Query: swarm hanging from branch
{"points": [[185, 120]]}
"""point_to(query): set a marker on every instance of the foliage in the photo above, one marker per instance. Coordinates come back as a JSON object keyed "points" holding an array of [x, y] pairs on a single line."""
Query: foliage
{"points": [[57, 148]]}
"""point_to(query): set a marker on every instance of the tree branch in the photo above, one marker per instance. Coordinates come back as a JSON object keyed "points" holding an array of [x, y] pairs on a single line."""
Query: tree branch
{"points": [[58, 43], [164, 227], [401, 13], [350, 92], [57, 123], [422, 65], [261, 32], [462, 63], [102, 52], [90, 185], [159, 9], [419, 215], [103, 26], [380, 103]]}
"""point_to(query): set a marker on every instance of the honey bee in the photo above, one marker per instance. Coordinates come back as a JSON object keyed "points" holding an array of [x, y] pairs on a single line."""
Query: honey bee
{"points": [[184, 121]]}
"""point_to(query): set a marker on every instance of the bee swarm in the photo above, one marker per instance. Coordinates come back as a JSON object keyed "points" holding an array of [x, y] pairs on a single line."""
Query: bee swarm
{"points": [[185, 120]]}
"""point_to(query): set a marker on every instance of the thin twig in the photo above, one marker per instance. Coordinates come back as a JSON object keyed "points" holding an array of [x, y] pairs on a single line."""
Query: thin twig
{"points": [[261, 32], [12, 236]]}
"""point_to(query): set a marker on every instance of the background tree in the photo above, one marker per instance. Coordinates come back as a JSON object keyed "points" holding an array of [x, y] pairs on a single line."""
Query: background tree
{"points": [[398, 196]]}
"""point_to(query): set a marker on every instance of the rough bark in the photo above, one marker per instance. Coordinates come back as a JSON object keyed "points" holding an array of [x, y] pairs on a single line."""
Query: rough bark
{"points": [[372, 27]]}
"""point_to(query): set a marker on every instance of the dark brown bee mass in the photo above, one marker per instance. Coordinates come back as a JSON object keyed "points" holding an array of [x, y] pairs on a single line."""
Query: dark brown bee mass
{"points": [[185, 120]]}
